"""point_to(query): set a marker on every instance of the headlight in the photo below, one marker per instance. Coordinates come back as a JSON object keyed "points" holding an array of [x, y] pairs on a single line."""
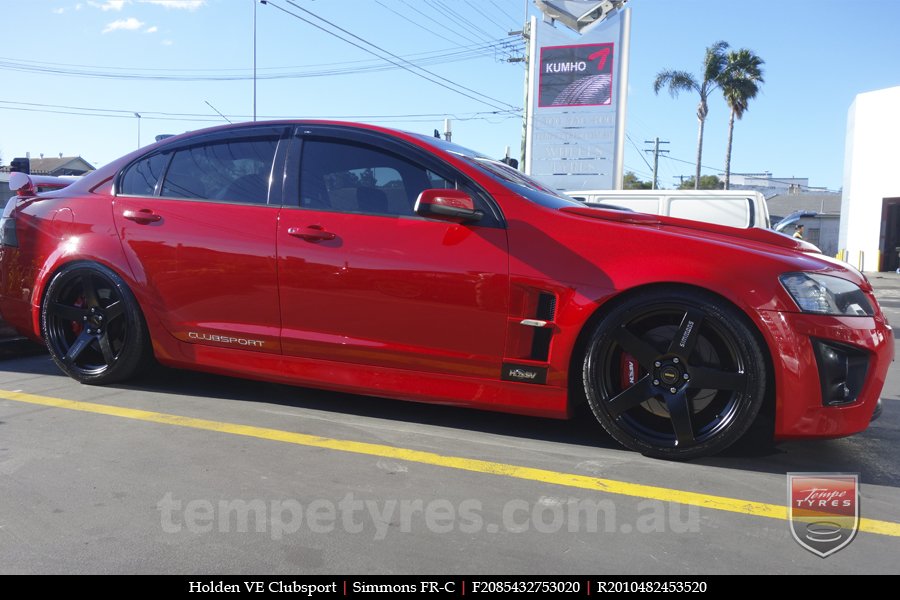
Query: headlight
{"points": [[826, 295]]}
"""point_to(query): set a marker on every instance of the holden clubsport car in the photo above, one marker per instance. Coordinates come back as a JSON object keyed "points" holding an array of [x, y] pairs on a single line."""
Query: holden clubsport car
{"points": [[356, 258]]}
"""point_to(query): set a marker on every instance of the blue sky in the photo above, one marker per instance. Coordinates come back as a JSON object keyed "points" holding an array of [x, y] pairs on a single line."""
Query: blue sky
{"points": [[104, 60]]}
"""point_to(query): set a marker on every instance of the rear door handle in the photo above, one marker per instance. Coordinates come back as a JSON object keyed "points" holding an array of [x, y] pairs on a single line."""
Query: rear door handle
{"points": [[142, 216], [311, 233]]}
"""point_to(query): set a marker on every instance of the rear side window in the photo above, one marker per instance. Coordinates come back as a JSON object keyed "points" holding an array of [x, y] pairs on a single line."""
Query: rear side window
{"points": [[140, 179], [227, 171]]}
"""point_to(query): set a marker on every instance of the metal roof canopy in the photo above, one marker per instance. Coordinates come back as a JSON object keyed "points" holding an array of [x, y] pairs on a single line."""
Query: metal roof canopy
{"points": [[579, 14]]}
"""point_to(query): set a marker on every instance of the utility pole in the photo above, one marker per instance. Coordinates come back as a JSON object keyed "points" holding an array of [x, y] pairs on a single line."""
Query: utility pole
{"points": [[656, 142], [448, 131]]}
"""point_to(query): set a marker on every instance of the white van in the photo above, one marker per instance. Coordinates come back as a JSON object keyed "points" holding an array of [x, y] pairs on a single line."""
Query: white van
{"points": [[736, 208]]}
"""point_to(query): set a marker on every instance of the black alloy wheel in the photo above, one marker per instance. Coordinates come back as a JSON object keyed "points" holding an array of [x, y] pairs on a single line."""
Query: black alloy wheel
{"points": [[92, 325], [676, 375]]}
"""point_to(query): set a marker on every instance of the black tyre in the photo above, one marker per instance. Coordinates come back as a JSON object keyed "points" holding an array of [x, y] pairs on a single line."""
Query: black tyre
{"points": [[676, 374], [93, 326]]}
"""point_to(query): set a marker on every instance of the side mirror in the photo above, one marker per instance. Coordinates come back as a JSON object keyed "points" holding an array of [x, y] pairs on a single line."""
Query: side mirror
{"points": [[447, 205]]}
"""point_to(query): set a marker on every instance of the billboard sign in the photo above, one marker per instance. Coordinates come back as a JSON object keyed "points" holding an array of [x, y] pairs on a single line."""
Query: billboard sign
{"points": [[576, 75], [574, 128]]}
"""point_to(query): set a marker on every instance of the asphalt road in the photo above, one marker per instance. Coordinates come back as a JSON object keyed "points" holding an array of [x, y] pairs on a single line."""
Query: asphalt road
{"points": [[250, 477]]}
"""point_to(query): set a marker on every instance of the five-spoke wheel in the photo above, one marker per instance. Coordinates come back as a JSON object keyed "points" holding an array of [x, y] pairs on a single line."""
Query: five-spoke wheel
{"points": [[676, 374], [92, 325]]}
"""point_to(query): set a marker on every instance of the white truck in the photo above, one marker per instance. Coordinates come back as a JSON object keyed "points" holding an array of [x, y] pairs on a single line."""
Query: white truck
{"points": [[736, 208]]}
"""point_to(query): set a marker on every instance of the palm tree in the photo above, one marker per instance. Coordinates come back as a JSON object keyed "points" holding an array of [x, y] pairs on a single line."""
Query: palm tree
{"points": [[740, 83], [681, 81]]}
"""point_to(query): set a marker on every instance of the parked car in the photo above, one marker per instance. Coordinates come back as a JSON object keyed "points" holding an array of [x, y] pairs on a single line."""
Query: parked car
{"points": [[736, 208], [784, 225], [356, 258]]}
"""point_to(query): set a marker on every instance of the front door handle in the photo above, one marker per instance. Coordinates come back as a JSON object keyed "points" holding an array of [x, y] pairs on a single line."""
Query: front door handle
{"points": [[311, 233], [142, 216]]}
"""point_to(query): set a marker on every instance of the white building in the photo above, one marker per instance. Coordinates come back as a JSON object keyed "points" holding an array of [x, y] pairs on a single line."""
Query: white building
{"points": [[870, 207]]}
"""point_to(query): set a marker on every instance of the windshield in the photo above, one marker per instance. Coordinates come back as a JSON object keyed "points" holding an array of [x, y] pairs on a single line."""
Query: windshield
{"points": [[507, 176], [522, 184]]}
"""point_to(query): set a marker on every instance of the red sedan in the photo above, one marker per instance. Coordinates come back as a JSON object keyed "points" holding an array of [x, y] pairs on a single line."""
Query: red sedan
{"points": [[366, 260]]}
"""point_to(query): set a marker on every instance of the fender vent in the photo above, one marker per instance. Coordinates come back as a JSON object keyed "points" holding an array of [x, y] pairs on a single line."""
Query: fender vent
{"points": [[546, 311]]}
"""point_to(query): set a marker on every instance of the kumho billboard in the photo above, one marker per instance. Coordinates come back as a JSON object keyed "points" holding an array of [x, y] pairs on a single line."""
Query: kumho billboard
{"points": [[576, 75]]}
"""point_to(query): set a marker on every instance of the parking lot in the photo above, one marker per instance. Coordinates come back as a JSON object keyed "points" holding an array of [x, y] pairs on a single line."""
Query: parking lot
{"points": [[191, 473]]}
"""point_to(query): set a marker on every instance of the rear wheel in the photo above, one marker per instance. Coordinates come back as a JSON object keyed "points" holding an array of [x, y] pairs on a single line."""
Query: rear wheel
{"points": [[93, 326], [675, 375]]}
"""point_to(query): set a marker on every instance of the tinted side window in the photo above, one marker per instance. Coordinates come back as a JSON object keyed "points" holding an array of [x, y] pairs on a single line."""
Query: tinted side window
{"points": [[140, 179], [228, 171], [348, 177]]}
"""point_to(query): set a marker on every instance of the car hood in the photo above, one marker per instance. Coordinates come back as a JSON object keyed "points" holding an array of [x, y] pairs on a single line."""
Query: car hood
{"points": [[750, 234]]}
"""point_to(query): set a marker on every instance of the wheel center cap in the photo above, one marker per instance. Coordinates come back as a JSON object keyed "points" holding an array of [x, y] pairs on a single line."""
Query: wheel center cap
{"points": [[670, 374]]}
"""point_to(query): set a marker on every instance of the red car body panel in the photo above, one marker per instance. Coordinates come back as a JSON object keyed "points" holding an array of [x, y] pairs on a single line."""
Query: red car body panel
{"points": [[387, 292], [227, 249], [419, 309]]}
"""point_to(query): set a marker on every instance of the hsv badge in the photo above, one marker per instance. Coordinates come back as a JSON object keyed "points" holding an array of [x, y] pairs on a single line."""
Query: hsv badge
{"points": [[823, 509]]}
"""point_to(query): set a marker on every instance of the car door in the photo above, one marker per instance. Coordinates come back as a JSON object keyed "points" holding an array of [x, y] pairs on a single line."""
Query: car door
{"points": [[198, 227], [363, 279]]}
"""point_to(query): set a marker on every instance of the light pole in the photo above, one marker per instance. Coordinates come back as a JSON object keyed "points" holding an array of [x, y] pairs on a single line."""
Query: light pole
{"points": [[254, 55], [138, 115], [254, 60]]}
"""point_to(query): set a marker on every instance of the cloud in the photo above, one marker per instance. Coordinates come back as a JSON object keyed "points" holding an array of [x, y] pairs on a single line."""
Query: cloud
{"points": [[115, 5], [167, 42], [58, 11], [177, 4], [152, 29], [129, 24]]}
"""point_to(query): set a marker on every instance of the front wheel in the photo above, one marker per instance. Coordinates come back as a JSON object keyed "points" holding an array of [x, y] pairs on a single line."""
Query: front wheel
{"points": [[676, 375], [93, 326]]}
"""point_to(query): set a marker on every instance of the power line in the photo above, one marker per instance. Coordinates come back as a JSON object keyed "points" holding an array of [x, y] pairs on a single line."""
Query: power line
{"points": [[692, 162], [430, 58], [419, 25], [445, 26], [485, 15], [717, 170], [641, 154], [434, 77], [208, 119], [448, 12], [457, 47], [173, 116], [503, 10], [631, 169]]}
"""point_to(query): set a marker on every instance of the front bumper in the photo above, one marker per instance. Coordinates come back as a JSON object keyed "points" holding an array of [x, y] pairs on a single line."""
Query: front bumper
{"points": [[803, 407]]}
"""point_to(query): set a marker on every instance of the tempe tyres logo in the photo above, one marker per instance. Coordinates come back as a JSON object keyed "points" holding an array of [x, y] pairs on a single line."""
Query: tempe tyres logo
{"points": [[823, 509], [576, 75]]}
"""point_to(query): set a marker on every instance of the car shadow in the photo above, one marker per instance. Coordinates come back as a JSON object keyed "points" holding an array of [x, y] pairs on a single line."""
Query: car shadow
{"points": [[869, 453]]}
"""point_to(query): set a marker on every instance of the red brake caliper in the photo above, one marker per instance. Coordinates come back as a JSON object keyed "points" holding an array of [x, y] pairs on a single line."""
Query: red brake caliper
{"points": [[631, 371], [77, 326]]}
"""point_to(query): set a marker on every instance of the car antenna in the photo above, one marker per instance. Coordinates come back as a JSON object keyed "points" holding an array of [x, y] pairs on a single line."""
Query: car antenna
{"points": [[217, 110]]}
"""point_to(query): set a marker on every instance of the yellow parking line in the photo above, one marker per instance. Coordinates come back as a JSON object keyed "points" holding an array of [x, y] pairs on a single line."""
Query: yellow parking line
{"points": [[610, 486]]}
